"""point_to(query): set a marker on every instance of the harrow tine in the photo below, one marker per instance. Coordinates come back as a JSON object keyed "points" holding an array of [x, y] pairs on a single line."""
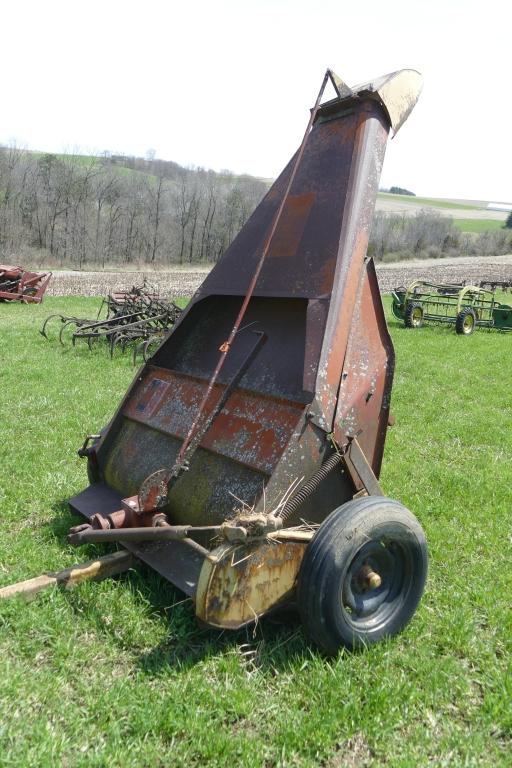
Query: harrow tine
{"points": [[146, 346], [50, 317], [113, 341], [65, 322], [137, 348]]}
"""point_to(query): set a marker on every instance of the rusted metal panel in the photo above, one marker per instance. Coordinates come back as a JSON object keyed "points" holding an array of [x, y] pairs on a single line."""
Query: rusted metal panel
{"points": [[370, 140], [365, 389], [251, 429], [239, 583], [305, 267]]}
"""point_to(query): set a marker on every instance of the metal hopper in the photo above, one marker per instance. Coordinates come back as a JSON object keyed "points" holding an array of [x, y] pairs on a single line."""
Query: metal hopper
{"points": [[243, 462]]}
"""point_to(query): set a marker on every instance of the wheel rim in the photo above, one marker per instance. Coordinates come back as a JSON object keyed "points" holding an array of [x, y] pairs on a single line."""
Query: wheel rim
{"points": [[417, 316], [468, 323], [376, 584]]}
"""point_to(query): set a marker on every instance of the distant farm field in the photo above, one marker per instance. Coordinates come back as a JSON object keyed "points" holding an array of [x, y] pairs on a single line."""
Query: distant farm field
{"points": [[478, 225], [184, 281], [119, 674], [467, 215], [435, 202]]}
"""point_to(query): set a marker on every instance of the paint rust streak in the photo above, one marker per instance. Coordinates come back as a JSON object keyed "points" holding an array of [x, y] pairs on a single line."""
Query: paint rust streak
{"points": [[252, 428], [291, 226]]}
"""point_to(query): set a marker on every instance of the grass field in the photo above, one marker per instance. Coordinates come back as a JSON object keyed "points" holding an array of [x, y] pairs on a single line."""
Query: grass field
{"points": [[478, 225], [427, 201], [118, 673]]}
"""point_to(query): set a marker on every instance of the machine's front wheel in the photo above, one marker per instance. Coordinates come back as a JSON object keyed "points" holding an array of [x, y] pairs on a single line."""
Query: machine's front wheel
{"points": [[465, 321], [413, 317], [362, 575]]}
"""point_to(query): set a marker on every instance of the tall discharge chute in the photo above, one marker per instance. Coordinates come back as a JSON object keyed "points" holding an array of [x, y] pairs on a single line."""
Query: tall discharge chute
{"points": [[271, 395]]}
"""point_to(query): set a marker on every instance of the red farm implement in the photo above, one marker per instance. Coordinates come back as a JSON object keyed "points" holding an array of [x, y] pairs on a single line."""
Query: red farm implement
{"points": [[18, 284], [243, 462]]}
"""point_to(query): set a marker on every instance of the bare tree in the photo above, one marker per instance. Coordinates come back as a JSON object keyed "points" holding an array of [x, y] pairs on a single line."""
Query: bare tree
{"points": [[79, 210]]}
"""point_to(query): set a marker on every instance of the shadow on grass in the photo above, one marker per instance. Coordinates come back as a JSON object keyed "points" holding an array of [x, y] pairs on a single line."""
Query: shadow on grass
{"points": [[429, 325], [268, 644]]}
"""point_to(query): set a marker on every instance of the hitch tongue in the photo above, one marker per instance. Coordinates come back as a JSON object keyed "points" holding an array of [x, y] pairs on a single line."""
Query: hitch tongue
{"points": [[162, 532], [238, 530]]}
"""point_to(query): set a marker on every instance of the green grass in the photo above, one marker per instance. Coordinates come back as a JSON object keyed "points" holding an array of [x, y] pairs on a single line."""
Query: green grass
{"points": [[478, 225], [430, 201], [78, 159], [118, 673]]}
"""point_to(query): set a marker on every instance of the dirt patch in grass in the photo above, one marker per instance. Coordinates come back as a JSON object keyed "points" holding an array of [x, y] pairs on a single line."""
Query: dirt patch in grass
{"points": [[353, 753]]}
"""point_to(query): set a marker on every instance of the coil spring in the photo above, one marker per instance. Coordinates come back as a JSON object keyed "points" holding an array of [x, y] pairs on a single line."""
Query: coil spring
{"points": [[311, 485]]}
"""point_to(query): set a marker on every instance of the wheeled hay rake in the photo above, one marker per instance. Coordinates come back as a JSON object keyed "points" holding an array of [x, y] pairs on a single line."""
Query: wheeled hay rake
{"points": [[465, 306], [18, 284], [242, 464]]}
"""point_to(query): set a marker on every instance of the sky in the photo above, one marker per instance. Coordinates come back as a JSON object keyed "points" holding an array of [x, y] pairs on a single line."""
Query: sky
{"points": [[228, 84]]}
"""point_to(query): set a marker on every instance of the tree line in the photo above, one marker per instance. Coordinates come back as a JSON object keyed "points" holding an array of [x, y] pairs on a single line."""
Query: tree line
{"points": [[78, 211], [430, 235]]}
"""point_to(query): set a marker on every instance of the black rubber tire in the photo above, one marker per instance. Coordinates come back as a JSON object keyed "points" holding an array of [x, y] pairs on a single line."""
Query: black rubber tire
{"points": [[374, 529], [410, 310], [461, 321]]}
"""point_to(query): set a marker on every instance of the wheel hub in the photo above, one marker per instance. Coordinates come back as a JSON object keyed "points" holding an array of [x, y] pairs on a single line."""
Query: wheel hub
{"points": [[368, 578], [468, 323], [417, 316]]}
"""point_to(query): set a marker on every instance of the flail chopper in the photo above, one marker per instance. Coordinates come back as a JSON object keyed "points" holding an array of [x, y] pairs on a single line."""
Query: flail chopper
{"points": [[243, 462]]}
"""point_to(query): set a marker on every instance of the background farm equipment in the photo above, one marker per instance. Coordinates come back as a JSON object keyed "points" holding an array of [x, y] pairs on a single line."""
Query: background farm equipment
{"points": [[18, 284], [493, 285], [464, 306], [136, 317], [243, 462]]}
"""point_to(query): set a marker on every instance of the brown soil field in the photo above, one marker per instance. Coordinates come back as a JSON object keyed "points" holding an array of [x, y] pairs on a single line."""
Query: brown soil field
{"points": [[185, 281], [468, 269], [176, 282]]}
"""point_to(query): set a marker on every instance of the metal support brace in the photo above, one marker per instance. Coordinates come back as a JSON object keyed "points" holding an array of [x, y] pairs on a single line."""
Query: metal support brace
{"points": [[360, 471]]}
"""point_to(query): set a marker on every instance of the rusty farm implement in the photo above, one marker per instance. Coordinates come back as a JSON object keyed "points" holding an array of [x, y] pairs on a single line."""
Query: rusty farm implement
{"points": [[18, 284], [467, 307], [138, 318], [243, 462]]}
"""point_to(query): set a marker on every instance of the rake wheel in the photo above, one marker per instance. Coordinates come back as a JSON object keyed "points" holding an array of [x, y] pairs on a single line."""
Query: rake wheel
{"points": [[465, 322], [413, 317]]}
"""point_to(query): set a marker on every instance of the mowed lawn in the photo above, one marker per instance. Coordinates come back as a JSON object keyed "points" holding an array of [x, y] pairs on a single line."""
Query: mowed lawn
{"points": [[118, 673]]}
